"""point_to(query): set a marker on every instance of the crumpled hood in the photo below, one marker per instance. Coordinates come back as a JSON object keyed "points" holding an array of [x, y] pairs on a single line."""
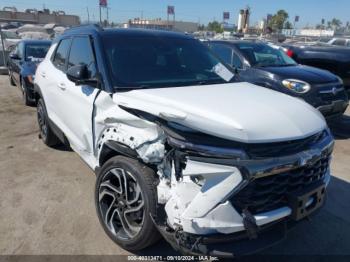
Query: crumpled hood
{"points": [[236, 111]]}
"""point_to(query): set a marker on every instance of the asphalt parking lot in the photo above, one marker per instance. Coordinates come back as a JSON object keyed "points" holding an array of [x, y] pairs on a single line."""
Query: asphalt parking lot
{"points": [[47, 201]]}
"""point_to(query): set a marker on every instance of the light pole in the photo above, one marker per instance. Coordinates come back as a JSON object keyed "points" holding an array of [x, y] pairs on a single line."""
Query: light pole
{"points": [[3, 47]]}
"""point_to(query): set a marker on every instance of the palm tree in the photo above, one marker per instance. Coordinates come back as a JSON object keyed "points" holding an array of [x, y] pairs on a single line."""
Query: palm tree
{"points": [[336, 23]]}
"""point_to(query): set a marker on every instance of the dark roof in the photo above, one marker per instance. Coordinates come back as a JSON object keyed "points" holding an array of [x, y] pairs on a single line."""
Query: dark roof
{"points": [[30, 41], [233, 42], [95, 29], [145, 32]]}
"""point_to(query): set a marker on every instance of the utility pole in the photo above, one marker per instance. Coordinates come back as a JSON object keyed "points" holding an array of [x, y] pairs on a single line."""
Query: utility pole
{"points": [[107, 8], [3, 47], [100, 17], [88, 14], [167, 21]]}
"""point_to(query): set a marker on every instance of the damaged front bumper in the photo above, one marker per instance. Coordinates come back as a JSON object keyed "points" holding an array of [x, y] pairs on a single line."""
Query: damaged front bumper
{"points": [[229, 245], [223, 206]]}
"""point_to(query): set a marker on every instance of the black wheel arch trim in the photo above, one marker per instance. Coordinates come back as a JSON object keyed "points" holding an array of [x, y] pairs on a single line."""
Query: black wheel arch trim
{"points": [[112, 148]]}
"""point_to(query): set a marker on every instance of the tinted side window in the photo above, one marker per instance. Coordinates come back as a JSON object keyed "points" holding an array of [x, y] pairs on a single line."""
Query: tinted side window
{"points": [[81, 54], [224, 52], [61, 54]]}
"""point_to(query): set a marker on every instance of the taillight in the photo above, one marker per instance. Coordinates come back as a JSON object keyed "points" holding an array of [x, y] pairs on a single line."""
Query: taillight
{"points": [[290, 53]]}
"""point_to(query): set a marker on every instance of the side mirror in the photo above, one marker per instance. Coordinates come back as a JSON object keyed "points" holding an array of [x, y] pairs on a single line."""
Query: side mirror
{"points": [[79, 74], [15, 56]]}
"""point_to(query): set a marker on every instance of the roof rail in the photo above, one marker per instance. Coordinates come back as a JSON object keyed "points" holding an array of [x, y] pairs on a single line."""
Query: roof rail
{"points": [[96, 27]]}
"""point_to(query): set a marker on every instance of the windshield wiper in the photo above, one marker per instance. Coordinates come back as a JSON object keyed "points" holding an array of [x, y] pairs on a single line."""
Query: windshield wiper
{"points": [[288, 65], [274, 65], [212, 82]]}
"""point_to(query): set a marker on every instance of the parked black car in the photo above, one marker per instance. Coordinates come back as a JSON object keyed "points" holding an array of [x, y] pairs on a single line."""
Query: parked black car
{"points": [[335, 59], [265, 65], [22, 64]]}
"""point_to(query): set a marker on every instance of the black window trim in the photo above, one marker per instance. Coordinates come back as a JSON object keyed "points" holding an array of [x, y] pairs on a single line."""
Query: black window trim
{"points": [[236, 51], [241, 57], [91, 41], [68, 52]]}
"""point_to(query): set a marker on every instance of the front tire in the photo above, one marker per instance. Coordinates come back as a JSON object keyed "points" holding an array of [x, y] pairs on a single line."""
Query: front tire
{"points": [[125, 198], [25, 95], [46, 133], [11, 79]]}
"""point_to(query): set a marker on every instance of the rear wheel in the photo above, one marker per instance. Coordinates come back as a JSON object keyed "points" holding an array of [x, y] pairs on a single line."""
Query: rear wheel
{"points": [[125, 198], [46, 133]]}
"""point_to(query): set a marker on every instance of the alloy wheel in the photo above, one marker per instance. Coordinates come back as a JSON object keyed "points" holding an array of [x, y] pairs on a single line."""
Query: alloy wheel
{"points": [[121, 203]]}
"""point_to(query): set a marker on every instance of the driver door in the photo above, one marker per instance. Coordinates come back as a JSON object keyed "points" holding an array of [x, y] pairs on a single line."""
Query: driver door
{"points": [[76, 107]]}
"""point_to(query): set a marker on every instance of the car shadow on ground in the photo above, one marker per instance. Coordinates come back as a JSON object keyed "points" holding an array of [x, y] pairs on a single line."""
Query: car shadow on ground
{"points": [[161, 248], [340, 127], [326, 233], [63, 148]]}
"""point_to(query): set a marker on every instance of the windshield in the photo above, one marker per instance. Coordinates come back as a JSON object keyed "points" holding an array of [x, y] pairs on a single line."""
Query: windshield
{"points": [[263, 55], [150, 61], [36, 52]]}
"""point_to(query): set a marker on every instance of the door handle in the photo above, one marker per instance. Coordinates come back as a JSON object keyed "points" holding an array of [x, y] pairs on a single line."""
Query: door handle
{"points": [[43, 74], [62, 86]]}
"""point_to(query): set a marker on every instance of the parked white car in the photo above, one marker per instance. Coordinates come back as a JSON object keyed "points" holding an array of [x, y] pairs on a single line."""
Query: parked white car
{"points": [[178, 147], [340, 42], [10, 39]]}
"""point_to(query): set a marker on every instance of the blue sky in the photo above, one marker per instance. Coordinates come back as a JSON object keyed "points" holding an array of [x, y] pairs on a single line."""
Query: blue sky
{"points": [[310, 11]]}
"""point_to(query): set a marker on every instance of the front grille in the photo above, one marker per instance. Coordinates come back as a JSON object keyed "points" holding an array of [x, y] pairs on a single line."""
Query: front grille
{"points": [[330, 97], [265, 150], [270, 192]]}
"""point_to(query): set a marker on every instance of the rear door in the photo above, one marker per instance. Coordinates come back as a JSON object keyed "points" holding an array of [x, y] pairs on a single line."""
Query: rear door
{"points": [[51, 73], [76, 104]]}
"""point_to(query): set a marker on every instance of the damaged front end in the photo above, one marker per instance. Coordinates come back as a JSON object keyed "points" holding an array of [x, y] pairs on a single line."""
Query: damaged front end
{"points": [[220, 197], [214, 192]]}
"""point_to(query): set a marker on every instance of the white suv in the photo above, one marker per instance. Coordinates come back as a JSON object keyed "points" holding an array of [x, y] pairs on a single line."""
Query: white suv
{"points": [[178, 147]]}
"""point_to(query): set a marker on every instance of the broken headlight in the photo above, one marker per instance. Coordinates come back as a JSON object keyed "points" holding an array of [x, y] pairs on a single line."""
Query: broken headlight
{"points": [[206, 150], [197, 143]]}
